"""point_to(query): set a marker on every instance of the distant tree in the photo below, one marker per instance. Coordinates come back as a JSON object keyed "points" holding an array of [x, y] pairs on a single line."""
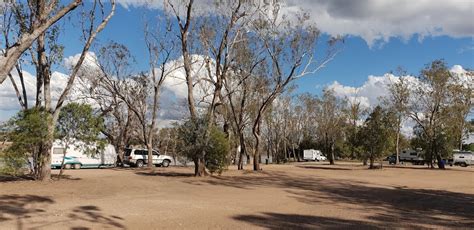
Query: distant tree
{"points": [[374, 135], [330, 121], [78, 127], [398, 102], [461, 94]]}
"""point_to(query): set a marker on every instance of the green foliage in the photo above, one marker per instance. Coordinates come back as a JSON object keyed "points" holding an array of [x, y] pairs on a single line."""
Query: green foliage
{"points": [[374, 134], [77, 122], [27, 131], [195, 143], [13, 163], [217, 151]]}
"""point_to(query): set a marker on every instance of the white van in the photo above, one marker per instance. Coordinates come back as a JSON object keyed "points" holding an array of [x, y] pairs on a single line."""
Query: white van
{"points": [[139, 157], [463, 158], [77, 158], [313, 155]]}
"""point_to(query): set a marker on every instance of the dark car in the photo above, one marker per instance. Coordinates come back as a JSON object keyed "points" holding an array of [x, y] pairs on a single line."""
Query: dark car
{"points": [[392, 159]]}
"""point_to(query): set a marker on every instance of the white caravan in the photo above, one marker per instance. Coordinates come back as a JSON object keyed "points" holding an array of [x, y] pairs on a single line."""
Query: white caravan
{"points": [[77, 158], [313, 155], [414, 156], [463, 158]]}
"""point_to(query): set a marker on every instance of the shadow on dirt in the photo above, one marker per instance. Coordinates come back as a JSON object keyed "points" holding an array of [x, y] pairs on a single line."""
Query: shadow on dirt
{"points": [[18, 209], [8, 178], [293, 221], [325, 168], [391, 204], [164, 174], [93, 214]]}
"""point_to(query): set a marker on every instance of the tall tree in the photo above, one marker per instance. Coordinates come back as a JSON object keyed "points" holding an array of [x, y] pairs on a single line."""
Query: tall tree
{"points": [[398, 102], [90, 34], [290, 54], [430, 110]]}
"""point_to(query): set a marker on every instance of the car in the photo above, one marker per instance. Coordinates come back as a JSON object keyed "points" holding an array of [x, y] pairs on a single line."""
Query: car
{"points": [[392, 159], [139, 158]]}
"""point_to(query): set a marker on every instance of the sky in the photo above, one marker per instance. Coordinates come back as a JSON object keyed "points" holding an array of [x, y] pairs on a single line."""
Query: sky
{"points": [[379, 37]]}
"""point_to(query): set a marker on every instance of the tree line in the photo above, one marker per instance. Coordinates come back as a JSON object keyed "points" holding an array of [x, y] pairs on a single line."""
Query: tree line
{"points": [[239, 61]]}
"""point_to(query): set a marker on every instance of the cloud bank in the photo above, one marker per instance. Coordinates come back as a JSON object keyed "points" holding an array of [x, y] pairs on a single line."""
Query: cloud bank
{"points": [[375, 21]]}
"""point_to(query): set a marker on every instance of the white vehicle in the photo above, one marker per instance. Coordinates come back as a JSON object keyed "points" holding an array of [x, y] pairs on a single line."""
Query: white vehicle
{"points": [[413, 156], [313, 155], [77, 158], [463, 158], [139, 158]]}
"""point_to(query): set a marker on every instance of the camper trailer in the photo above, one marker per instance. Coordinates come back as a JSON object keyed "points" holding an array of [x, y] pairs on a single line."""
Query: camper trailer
{"points": [[313, 155], [463, 158], [77, 158], [412, 156]]}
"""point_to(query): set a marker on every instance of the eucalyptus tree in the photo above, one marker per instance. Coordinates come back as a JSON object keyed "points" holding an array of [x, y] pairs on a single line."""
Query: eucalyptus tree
{"points": [[290, 53], [430, 110], [398, 101]]}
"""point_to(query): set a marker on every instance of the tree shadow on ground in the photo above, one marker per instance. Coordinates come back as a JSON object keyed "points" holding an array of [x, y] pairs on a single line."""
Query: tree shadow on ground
{"points": [[294, 221], [93, 214], [18, 209], [8, 178], [325, 168], [391, 204], [164, 174]]}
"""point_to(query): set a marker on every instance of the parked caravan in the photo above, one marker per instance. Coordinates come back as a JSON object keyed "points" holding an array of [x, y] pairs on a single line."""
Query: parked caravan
{"points": [[463, 158], [412, 156], [77, 158], [313, 155]]}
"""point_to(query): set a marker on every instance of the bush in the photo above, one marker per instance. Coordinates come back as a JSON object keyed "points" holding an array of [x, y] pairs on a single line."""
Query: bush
{"points": [[194, 143], [217, 151], [12, 163]]}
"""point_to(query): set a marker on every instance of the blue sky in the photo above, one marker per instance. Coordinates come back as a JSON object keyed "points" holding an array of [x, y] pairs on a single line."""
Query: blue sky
{"points": [[351, 67], [379, 37]]}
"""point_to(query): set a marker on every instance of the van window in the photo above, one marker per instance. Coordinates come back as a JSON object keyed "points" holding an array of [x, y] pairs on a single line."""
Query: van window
{"points": [[58, 151], [155, 153], [128, 152], [413, 154]]}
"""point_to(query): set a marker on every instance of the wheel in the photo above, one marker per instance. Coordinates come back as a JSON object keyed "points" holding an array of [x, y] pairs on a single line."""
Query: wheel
{"points": [[139, 163], [463, 164], [165, 163], [67, 166], [77, 166]]}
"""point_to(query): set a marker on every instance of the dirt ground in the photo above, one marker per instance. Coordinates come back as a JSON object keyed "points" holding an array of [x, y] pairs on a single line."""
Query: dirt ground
{"points": [[294, 196]]}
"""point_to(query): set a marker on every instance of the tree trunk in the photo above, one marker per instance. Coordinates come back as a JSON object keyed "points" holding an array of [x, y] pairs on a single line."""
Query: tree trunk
{"points": [[256, 155], [62, 162], [243, 152], [331, 161], [199, 167], [397, 144]]}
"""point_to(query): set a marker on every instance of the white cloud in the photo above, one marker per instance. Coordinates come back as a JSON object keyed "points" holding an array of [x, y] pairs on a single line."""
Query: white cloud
{"points": [[376, 87], [375, 21]]}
